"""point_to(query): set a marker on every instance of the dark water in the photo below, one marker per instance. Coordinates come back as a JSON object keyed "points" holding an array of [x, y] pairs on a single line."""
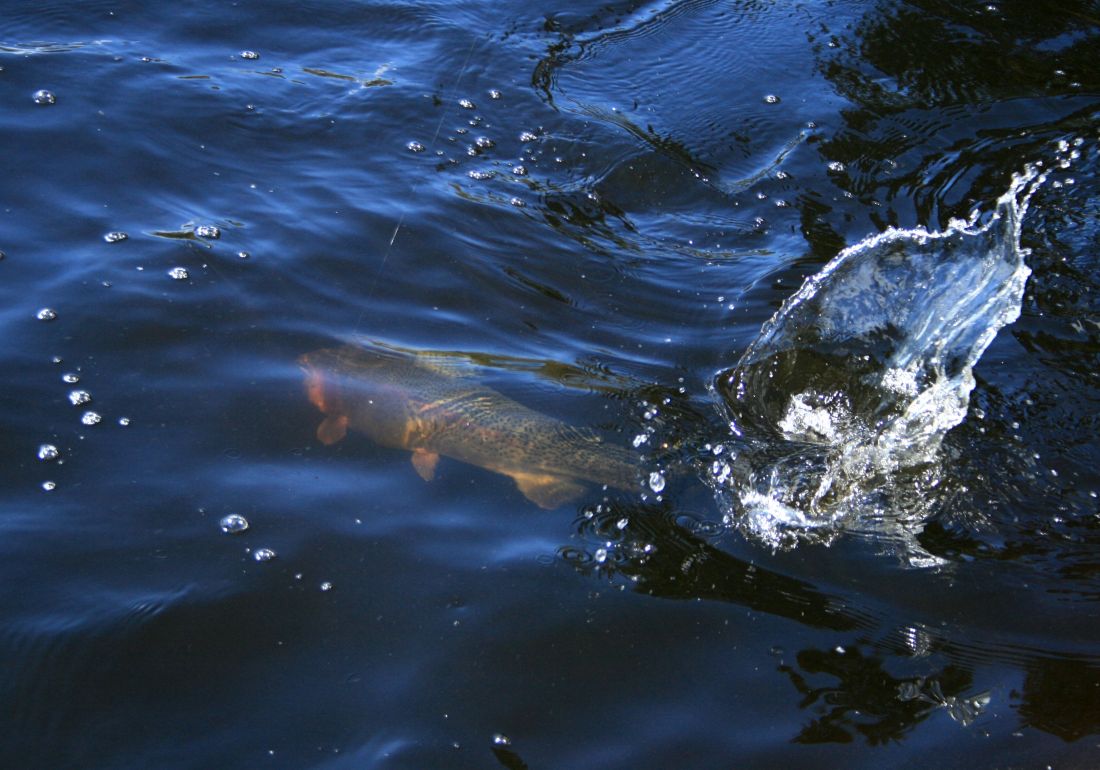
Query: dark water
{"points": [[651, 182]]}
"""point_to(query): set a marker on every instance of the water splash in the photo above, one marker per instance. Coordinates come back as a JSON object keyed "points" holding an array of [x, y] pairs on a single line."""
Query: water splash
{"points": [[841, 404]]}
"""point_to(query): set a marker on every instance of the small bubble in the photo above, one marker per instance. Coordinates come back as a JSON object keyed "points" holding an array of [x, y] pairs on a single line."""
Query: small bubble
{"points": [[640, 439], [622, 523], [480, 175], [771, 99], [115, 236], [519, 170], [600, 555], [517, 202], [500, 739], [466, 104], [484, 142], [208, 231], [124, 421], [44, 97], [79, 397], [46, 314], [263, 554], [48, 452], [178, 273], [495, 94], [233, 524], [657, 481], [49, 486], [527, 136], [243, 254], [836, 166], [415, 146], [70, 378], [326, 586], [91, 418], [249, 55]]}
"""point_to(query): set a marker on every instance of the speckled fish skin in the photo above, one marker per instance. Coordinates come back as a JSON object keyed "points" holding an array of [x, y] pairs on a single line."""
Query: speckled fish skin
{"points": [[401, 403]]}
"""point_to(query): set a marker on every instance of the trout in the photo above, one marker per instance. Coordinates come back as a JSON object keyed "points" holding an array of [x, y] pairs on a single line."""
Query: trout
{"points": [[402, 403]]}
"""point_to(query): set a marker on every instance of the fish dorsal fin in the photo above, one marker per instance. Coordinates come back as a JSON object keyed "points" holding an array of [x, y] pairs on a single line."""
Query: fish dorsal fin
{"points": [[332, 429], [425, 461], [547, 491]]}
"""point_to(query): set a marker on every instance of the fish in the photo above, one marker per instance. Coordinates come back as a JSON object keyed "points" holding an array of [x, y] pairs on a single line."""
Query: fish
{"points": [[403, 401]]}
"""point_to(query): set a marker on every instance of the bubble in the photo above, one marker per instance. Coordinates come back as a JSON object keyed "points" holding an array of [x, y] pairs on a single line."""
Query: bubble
{"points": [[44, 97], [115, 236], [46, 314], [49, 486], [263, 554], [415, 146], [519, 170], [208, 231], [657, 481], [326, 586], [600, 555], [243, 254], [527, 136], [70, 378], [233, 524], [91, 418], [123, 421], [481, 175], [79, 397], [249, 55], [179, 273], [466, 104], [517, 202], [495, 94], [836, 166], [771, 99], [622, 523], [48, 452], [500, 739], [484, 142]]}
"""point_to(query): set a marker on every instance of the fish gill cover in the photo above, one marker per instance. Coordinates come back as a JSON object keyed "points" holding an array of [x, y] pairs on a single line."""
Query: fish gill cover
{"points": [[838, 409]]}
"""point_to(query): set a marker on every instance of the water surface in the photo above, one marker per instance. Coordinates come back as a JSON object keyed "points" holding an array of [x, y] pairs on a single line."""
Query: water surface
{"points": [[595, 207]]}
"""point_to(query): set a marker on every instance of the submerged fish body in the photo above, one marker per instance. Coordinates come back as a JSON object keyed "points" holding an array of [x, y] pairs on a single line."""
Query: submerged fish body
{"points": [[400, 402]]}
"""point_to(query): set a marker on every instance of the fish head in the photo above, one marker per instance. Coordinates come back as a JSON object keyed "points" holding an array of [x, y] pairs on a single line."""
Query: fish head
{"points": [[363, 390]]}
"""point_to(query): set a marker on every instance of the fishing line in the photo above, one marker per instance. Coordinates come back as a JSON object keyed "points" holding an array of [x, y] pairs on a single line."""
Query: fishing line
{"points": [[401, 219]]}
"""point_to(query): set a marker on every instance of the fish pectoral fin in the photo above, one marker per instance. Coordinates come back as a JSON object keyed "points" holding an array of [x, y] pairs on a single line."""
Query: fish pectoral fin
{"points": [[547, 491], [333, 429], [425, 461]]}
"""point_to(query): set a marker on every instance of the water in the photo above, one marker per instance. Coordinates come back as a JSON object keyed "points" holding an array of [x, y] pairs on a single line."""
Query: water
{"points": [[594, 210]]}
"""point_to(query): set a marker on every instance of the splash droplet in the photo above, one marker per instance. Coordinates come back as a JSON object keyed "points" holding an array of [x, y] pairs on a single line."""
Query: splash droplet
{"points": [[263, 554], [80, 397], [234, 524], [657, 481], [46, 314], [48, 452], [44, 97]]}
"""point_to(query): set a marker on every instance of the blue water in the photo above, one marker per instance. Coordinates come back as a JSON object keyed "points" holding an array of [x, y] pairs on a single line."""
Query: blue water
{"points": [[598, 206]]}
